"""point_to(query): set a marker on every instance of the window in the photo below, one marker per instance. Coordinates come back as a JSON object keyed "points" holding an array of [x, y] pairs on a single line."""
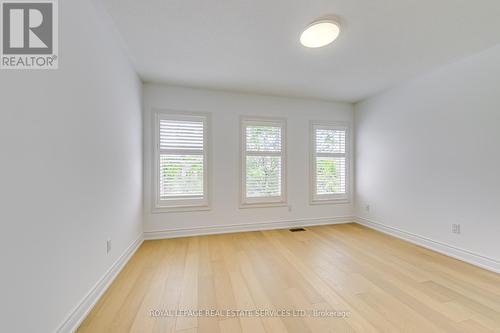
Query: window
{"points": [[329, 163], [263, 162], [181, 164]]}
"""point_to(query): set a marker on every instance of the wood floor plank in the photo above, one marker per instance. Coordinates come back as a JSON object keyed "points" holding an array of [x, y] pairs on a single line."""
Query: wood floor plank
{"points": [[206, 289], [385, 284], [230, 326], [171, 293], [189, 293]]}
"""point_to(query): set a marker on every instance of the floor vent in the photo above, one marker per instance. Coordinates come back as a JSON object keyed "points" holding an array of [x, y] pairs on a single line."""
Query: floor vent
{"points": [[297, 229]]}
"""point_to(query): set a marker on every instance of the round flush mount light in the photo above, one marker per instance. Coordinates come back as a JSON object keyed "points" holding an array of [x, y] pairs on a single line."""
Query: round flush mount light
{"points": [[320, 33]]}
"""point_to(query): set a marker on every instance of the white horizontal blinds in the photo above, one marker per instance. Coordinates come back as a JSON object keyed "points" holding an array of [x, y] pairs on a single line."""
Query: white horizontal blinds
{"points": [[330, 161], [263, 138], [330, 175], [330, 141], [181, 176], [181, 135], [263, 176], [182, 159], [263, 160]]}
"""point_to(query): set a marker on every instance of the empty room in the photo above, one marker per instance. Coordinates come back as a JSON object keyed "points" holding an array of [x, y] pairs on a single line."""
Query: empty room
{"points": [[247, 166]]}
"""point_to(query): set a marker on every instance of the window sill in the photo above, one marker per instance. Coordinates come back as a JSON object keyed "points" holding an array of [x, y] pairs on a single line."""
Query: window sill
{"points": [[329, 202], [263, 205], [179, 209]]}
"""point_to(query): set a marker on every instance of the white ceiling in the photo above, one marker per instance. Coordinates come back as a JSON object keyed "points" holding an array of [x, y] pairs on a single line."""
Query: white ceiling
{"points": [[252, 45]]}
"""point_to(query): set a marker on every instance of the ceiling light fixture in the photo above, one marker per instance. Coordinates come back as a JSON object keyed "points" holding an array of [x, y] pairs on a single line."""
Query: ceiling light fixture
{"points": [[320, 33]]}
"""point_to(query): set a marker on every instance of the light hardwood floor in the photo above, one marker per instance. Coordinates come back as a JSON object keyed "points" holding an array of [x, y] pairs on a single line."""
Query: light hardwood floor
{"points": [[387, 285]]}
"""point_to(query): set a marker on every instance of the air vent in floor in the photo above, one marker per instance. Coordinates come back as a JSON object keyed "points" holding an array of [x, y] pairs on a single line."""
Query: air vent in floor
{"points": [[297, 229]]}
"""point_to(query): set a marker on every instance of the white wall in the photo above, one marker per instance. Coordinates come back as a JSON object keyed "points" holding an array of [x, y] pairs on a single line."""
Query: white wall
{"points": [[226, 109], [428, 155], [70, 172]]}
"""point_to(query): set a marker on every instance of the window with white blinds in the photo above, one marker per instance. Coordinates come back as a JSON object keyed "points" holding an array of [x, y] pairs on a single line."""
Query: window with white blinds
{"points": [[263, 161], [181, 161], [329, 163]]}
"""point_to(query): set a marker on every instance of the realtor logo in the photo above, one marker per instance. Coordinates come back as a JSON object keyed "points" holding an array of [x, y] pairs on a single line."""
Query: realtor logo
{"points": [[29, 34]]}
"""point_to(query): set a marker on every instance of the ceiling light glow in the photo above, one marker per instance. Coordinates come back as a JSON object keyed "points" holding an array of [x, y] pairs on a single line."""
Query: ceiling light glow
{"points": [[320, 33]]}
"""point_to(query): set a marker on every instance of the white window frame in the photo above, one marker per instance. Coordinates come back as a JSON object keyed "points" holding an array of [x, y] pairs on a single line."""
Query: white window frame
{"points": [[263, 201], [182, 204], [315, 198]]}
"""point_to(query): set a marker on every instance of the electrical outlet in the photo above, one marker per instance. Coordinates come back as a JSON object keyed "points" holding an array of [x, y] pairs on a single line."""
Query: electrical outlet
{"points": [[289, 208], [367, 208], [455, 228], [108, 245]]}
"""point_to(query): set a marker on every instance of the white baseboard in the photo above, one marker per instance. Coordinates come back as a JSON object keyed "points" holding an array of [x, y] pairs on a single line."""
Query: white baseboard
{"points": [[446, 249], [76, 317], [223, 229]]}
